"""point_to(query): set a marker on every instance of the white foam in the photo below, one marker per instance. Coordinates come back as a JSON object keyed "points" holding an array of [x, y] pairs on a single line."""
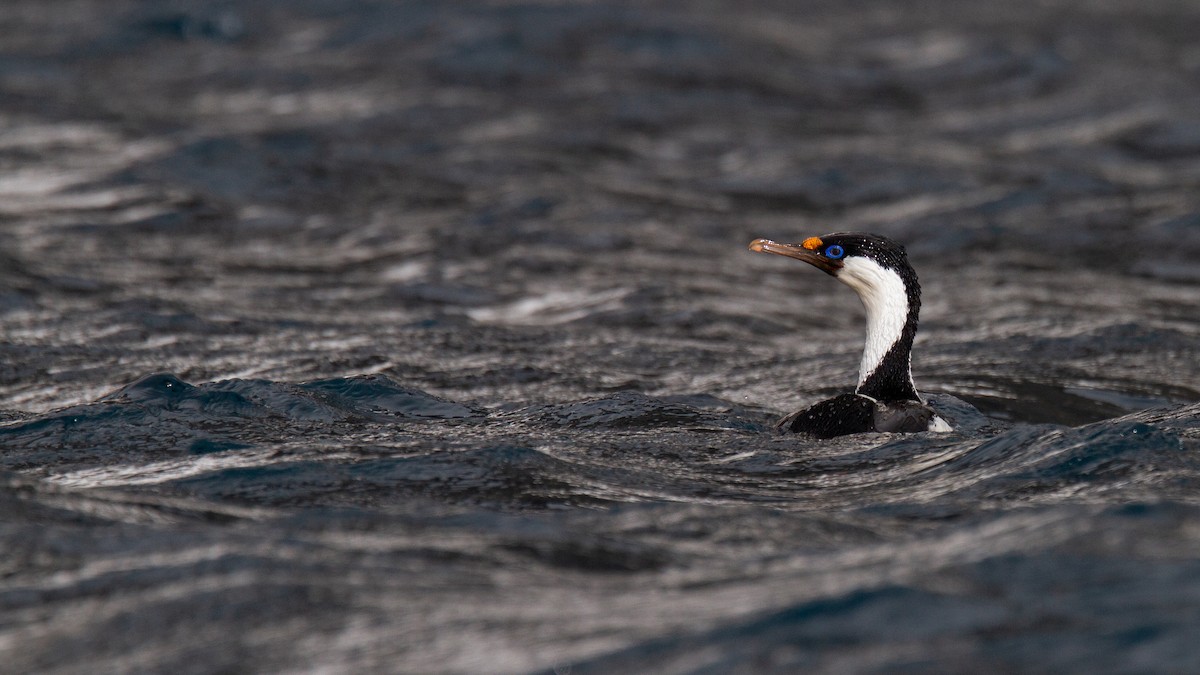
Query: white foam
{"points": [[939, 425], [153, 473], [551, 308]]}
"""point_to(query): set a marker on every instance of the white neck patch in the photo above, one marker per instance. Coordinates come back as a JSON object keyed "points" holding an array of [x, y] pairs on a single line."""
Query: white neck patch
{"points": [[885, 299]]}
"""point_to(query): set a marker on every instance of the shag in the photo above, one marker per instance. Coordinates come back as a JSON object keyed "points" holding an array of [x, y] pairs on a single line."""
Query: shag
{"points": [[886, 399]]}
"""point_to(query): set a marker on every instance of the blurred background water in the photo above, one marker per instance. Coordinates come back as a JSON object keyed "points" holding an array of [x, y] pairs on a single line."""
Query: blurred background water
{"points": [[349, 336]]}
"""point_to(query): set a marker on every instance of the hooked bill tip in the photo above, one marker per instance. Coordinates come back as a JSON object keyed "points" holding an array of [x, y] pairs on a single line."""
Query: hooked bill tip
{"points": [[759, 244]]}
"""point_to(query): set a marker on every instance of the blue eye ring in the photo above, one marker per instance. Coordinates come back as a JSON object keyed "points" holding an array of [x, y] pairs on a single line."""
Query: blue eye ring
{"points": [[835, 252]]}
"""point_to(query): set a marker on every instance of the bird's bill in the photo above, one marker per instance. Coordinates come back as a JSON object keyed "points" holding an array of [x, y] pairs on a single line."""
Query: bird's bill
{"points": [[806, 252]]}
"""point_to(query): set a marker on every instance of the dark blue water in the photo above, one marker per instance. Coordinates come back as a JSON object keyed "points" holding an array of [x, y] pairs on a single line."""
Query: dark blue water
{"points": [[423, 337]]}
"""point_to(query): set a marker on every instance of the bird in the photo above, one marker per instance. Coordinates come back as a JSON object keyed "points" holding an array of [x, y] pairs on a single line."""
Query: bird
{"points": [[886, 398]]}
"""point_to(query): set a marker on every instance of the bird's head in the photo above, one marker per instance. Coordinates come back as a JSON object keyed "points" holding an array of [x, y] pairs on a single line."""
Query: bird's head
{"points": [[842, 253], [875, 267]]}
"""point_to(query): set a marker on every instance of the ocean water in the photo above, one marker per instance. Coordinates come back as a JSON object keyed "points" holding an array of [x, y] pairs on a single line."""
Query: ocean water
{"points": [[423, 337]]}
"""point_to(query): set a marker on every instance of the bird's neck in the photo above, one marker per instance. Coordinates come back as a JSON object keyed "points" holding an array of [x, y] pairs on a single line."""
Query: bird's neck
{"points": [[892, 300]]}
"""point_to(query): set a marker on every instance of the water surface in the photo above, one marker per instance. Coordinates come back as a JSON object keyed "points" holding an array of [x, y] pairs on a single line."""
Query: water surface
{"points": [[423, 337]]}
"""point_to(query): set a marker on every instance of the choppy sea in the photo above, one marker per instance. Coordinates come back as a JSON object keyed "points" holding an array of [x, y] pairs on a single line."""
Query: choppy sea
{"points": [[351, 336]]}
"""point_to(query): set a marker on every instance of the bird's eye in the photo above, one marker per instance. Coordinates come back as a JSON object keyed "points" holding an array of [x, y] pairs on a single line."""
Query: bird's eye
{"points": [[835, 252]]}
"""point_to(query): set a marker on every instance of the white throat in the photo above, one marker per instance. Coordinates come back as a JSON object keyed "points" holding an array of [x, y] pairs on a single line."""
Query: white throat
{"points": [[885, 299]]}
